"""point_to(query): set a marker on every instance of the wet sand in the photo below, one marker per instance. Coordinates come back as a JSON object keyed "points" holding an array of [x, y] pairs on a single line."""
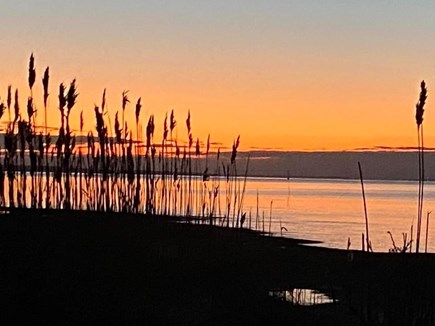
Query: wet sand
{"points": [[67, 267]]}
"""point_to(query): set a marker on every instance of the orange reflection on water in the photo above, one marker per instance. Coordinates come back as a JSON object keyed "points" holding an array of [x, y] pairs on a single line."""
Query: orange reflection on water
{"points": [[332, 210]]}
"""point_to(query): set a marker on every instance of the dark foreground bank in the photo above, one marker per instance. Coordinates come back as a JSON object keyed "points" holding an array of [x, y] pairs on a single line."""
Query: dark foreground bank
{"points": [[76, 267]]}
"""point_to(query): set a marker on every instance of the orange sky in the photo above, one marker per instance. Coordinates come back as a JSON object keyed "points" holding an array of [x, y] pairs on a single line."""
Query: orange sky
{"points": [[283, 75]]}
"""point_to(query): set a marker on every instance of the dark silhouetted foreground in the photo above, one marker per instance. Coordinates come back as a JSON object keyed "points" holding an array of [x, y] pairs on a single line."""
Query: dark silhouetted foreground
{"points": [[87, 267]]}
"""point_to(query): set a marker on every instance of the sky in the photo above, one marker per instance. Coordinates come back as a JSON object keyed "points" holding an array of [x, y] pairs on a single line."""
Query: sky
{"points": [[286, 75]]}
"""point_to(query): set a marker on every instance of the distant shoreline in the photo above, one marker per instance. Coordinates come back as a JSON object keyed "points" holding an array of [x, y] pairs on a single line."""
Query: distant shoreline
{"points": [[338, 165], [335, 179], [380, 165]]}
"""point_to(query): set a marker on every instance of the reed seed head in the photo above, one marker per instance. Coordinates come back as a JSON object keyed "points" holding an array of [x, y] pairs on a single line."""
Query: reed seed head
{"points": [[234, 152], [125, 100], [138, 108], [16, 106], [9, 99], [72, 96], [2, 109], [419, 108], [150, 127], [32, 72], [62, 98], [81, 122], [188, 122], [103, 101], [173, 123], [165, 128], [45, 85]]}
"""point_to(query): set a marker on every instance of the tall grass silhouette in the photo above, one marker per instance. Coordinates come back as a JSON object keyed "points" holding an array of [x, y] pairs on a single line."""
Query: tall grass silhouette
{"points": [[112, 170], [419, 111]]}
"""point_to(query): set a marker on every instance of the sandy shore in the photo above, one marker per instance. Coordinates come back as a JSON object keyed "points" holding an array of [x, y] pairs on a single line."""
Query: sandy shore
{"points": [[81, 267]]}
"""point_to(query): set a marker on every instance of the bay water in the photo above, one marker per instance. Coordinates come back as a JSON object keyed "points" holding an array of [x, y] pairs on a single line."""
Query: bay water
{"points": [[331, 211]]}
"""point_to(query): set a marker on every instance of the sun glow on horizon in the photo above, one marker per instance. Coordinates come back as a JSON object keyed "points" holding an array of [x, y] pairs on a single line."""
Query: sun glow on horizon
{"points": [[284, 76]]}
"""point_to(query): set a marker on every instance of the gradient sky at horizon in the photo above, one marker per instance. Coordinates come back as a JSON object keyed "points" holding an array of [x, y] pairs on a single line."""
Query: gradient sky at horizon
{"points": [[297, 75]]}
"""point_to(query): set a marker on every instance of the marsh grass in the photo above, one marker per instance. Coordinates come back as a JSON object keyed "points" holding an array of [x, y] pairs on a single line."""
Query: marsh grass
{"points": [[112, 170], [419, 111]]}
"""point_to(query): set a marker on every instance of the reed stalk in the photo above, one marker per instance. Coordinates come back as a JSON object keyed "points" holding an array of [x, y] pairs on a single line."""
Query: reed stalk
{"points": [[367, 238], [421, 175], [427, 230]]}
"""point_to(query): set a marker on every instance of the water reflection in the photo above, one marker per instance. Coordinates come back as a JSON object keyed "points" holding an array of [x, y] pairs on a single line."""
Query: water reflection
{"points": [[329, 211], [302, 297]]}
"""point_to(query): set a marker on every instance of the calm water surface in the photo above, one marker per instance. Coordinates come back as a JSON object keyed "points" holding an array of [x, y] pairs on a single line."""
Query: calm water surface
{"points": [[332, 210]]}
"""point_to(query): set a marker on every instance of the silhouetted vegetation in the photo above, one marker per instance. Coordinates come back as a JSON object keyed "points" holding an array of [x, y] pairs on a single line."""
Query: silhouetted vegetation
{"points": [[419, 111], [113, 170]]}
